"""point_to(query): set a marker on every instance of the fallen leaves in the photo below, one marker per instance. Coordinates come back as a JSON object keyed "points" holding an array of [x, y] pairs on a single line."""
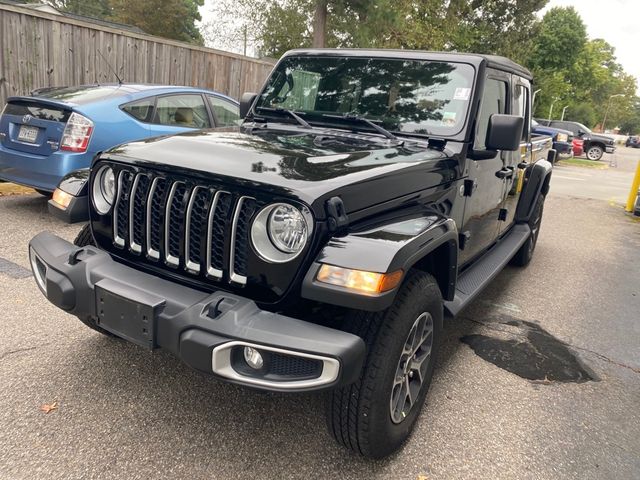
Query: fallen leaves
{"points": [[49, 407]]}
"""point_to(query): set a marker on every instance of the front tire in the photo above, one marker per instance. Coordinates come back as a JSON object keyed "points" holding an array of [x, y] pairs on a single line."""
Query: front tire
{"points": [[595, 152], [85, 237], [375, 415]]}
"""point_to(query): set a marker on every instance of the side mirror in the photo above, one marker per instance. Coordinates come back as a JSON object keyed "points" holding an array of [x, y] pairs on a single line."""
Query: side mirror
{"points": [[246, 101], [505, 132]]}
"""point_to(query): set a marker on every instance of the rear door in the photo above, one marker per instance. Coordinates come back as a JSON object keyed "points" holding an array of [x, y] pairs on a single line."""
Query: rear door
{"points": [[516, 162], [180, 112], [33, 126], [482, 208]]}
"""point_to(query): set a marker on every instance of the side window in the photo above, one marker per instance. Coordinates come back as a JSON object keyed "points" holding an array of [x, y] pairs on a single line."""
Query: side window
{"points": [[521, 108], [182, 111], [225, 113], [494, 100], [141, 110]]}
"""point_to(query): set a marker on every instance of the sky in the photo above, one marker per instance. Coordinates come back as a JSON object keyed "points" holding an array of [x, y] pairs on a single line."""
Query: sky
{"points": [[616, 21]]}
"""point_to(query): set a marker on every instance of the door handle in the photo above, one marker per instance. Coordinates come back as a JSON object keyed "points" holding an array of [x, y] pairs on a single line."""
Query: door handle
{"points": [[506, 172]]}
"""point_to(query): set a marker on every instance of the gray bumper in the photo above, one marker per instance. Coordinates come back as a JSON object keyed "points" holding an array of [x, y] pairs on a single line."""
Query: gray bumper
{"points": [[610, 148], [203, 329]]}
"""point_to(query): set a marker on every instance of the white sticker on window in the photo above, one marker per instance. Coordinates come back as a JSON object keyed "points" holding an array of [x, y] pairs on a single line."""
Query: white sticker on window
{"points": [[462, 93], [449, 118]]}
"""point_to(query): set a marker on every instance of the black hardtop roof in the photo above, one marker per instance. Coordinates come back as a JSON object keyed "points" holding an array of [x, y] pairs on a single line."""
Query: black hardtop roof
{"points": [[493, 61]]}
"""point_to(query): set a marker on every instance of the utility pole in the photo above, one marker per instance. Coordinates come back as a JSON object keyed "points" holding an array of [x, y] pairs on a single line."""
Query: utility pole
{"points": [[606, 112], [244, 37], [563, 110], [551, 108]]}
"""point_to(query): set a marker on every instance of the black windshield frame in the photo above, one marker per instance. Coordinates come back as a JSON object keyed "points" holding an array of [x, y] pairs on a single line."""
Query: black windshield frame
{"points": [[414, 75]]}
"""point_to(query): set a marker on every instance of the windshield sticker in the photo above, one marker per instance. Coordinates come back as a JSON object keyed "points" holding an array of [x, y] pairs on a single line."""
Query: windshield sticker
{"points": [[449, 118], [462, 93]]}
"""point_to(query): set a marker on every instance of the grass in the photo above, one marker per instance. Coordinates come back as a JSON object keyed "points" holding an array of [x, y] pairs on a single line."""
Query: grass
{"points": [[7, 189], [583, 162]]}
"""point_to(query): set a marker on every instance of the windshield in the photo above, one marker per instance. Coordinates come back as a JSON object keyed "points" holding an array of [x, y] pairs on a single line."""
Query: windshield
{"points": [[408, 96], [583, 128]]}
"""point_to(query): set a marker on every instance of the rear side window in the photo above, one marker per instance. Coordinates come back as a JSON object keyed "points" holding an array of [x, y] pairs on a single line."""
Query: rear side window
{"points": [[494, 100], [36, 110], [141, 110], [225, 113], [182, 111]]}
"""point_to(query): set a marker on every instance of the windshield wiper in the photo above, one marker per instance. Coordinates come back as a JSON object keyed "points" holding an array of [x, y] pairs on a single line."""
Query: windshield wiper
{"points": [[366, 121], [291, 113]]}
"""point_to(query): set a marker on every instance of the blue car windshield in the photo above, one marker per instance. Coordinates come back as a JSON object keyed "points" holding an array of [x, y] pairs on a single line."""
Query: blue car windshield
{"points": [[403, 96]]}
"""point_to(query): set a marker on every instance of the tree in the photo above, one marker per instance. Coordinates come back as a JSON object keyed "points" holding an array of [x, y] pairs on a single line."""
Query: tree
{"points": [[173, 19], [89, 8]]}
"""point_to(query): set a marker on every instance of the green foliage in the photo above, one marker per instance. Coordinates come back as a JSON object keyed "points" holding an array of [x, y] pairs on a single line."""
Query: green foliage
{"points": [[89, 8], [173, 19], [579, 73]]}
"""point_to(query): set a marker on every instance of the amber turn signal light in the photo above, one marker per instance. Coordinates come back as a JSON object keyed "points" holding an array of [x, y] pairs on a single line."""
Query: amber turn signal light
{"points": [[366, 282], [62, 198]]}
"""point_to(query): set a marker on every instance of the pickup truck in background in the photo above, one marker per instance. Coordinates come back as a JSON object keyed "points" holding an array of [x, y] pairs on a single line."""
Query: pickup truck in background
{"points": [[368, 195], [595, 145]]}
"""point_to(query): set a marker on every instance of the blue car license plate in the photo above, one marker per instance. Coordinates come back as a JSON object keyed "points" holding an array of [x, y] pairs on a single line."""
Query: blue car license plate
{"points": [[28, 134]]}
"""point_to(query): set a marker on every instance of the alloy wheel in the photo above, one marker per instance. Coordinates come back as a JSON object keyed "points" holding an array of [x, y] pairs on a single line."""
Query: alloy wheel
{"points": [[412, 368]]}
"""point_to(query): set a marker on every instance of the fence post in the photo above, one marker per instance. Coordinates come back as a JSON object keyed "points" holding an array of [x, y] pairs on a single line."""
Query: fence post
{"points": [[634, 189]]}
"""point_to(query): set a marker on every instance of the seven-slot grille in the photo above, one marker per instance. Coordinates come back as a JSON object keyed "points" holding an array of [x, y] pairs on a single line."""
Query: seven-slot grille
{"points": [[199, 229]]}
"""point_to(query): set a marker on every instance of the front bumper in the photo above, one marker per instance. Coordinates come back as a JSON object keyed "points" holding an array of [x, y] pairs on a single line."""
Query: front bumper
{"points": [[610, 148], [203, 329]]}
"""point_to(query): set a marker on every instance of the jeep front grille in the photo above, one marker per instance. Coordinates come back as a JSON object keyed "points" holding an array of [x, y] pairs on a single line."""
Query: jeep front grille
{"points": [[197, 229]]}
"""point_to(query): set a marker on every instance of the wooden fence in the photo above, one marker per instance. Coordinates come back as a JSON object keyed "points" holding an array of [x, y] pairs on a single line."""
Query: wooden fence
{"points": [[39, 49]]}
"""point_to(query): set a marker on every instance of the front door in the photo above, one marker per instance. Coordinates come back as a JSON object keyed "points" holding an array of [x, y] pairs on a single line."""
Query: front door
{"points": [[480, 225]]}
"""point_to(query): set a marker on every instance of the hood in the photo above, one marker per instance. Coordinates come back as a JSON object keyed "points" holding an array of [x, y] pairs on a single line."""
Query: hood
{"points": [[602, 138], [311, 166]]}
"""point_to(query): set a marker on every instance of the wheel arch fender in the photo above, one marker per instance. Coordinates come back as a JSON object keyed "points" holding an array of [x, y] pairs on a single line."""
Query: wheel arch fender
{"points": [[537, 180], [428, 243]]}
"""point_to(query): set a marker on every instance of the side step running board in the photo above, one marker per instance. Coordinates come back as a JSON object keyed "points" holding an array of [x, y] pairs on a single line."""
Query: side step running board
{"points": [[473, 280]]}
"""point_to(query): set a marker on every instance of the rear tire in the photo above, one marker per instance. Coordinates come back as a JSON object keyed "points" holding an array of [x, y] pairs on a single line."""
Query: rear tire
{"points": [[375, 415], [595, 152], [85, 238], [525, 254]]}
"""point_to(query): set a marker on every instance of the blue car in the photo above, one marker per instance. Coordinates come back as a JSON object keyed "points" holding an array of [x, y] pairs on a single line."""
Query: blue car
{"points": [[562, 139], [58, 130]]}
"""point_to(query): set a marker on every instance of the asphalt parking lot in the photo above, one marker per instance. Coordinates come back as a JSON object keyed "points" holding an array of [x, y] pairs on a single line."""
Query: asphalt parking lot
{"points": [[539, 378]]}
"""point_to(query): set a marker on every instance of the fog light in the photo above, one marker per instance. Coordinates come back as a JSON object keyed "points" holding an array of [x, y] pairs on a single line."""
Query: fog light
{"points": [[253, 358]]}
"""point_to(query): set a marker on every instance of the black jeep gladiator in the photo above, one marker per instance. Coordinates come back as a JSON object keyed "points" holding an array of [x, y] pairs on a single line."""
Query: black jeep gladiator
{"points": [[368, 194]]}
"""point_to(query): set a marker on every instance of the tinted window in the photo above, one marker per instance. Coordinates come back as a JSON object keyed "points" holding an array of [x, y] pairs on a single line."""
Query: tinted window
{"points": [[494, 100], [182, 111], [21, 108], [82, 94], [141, 110], [225, 113], [412, 96]]}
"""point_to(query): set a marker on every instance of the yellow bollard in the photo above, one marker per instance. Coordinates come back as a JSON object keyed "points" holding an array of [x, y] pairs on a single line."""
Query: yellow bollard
{"points": [[634, 190]]}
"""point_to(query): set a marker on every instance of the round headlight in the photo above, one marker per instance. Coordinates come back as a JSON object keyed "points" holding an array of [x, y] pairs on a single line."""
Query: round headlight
{"points": [[104, 190], [287, 229], [280, 232]]}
